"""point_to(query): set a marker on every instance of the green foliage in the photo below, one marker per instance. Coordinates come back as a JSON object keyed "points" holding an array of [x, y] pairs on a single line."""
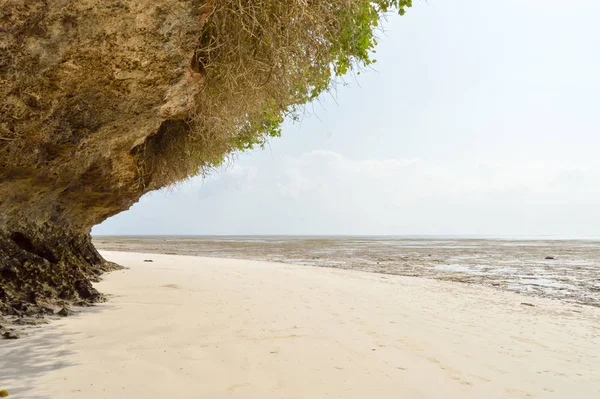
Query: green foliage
{"points": [[264, 60], [352, 47], [3, 393], [267, 125], [357, 40]]}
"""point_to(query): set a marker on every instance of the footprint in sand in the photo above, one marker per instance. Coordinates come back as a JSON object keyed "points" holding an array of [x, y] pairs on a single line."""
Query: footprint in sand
{"points": [[233, 387], [174, 286]]}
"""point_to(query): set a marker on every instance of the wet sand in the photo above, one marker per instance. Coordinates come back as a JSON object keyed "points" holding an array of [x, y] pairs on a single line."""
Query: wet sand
{"points": [[189, 327]]}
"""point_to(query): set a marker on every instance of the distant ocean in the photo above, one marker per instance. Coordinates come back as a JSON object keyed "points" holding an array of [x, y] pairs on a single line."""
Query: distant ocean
{"points": [[508, 263]]}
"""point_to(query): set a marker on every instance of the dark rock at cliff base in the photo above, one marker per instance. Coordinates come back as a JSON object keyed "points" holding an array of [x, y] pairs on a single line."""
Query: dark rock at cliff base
{"points": [[64, 312], [148, 260], [11, 334], [27, 321], [46, 310], [22, 308], [549, 257]]}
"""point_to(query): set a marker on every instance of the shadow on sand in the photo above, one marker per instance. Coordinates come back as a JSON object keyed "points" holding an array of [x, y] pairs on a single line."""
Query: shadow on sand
{"points": [[24, 361]]}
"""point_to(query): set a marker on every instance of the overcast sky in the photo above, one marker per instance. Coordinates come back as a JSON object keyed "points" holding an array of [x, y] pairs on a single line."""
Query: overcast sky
{"points": [[480, 118]]}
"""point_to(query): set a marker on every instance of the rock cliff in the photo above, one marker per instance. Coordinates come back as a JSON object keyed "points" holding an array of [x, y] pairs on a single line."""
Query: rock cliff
{"points": [[84, 85]]}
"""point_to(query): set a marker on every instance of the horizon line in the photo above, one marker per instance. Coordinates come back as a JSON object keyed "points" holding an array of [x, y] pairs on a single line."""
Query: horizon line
{"points": [[404, 236]]}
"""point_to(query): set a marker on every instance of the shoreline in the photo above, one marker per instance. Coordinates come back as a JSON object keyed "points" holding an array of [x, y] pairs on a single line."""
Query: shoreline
{"points": [[193, 327], [535, 268]]}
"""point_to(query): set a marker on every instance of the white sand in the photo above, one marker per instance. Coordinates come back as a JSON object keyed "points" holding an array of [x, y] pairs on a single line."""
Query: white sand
{"points": [[187, 327]]}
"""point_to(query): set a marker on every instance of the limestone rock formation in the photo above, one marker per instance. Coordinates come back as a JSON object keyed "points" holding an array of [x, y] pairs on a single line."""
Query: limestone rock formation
{"points": [[83, 85]]}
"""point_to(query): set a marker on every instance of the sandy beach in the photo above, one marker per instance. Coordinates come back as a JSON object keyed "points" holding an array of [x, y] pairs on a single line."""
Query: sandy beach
{"points": [[191, 327]]}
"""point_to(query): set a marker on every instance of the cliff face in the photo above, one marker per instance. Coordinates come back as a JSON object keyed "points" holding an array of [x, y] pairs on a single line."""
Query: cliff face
{"points": [[83, 85], [103, 101]]}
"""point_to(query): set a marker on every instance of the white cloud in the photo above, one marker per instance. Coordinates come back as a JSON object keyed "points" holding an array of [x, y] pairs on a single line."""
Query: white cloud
{"points": [[326, 173], [323, 192]]}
